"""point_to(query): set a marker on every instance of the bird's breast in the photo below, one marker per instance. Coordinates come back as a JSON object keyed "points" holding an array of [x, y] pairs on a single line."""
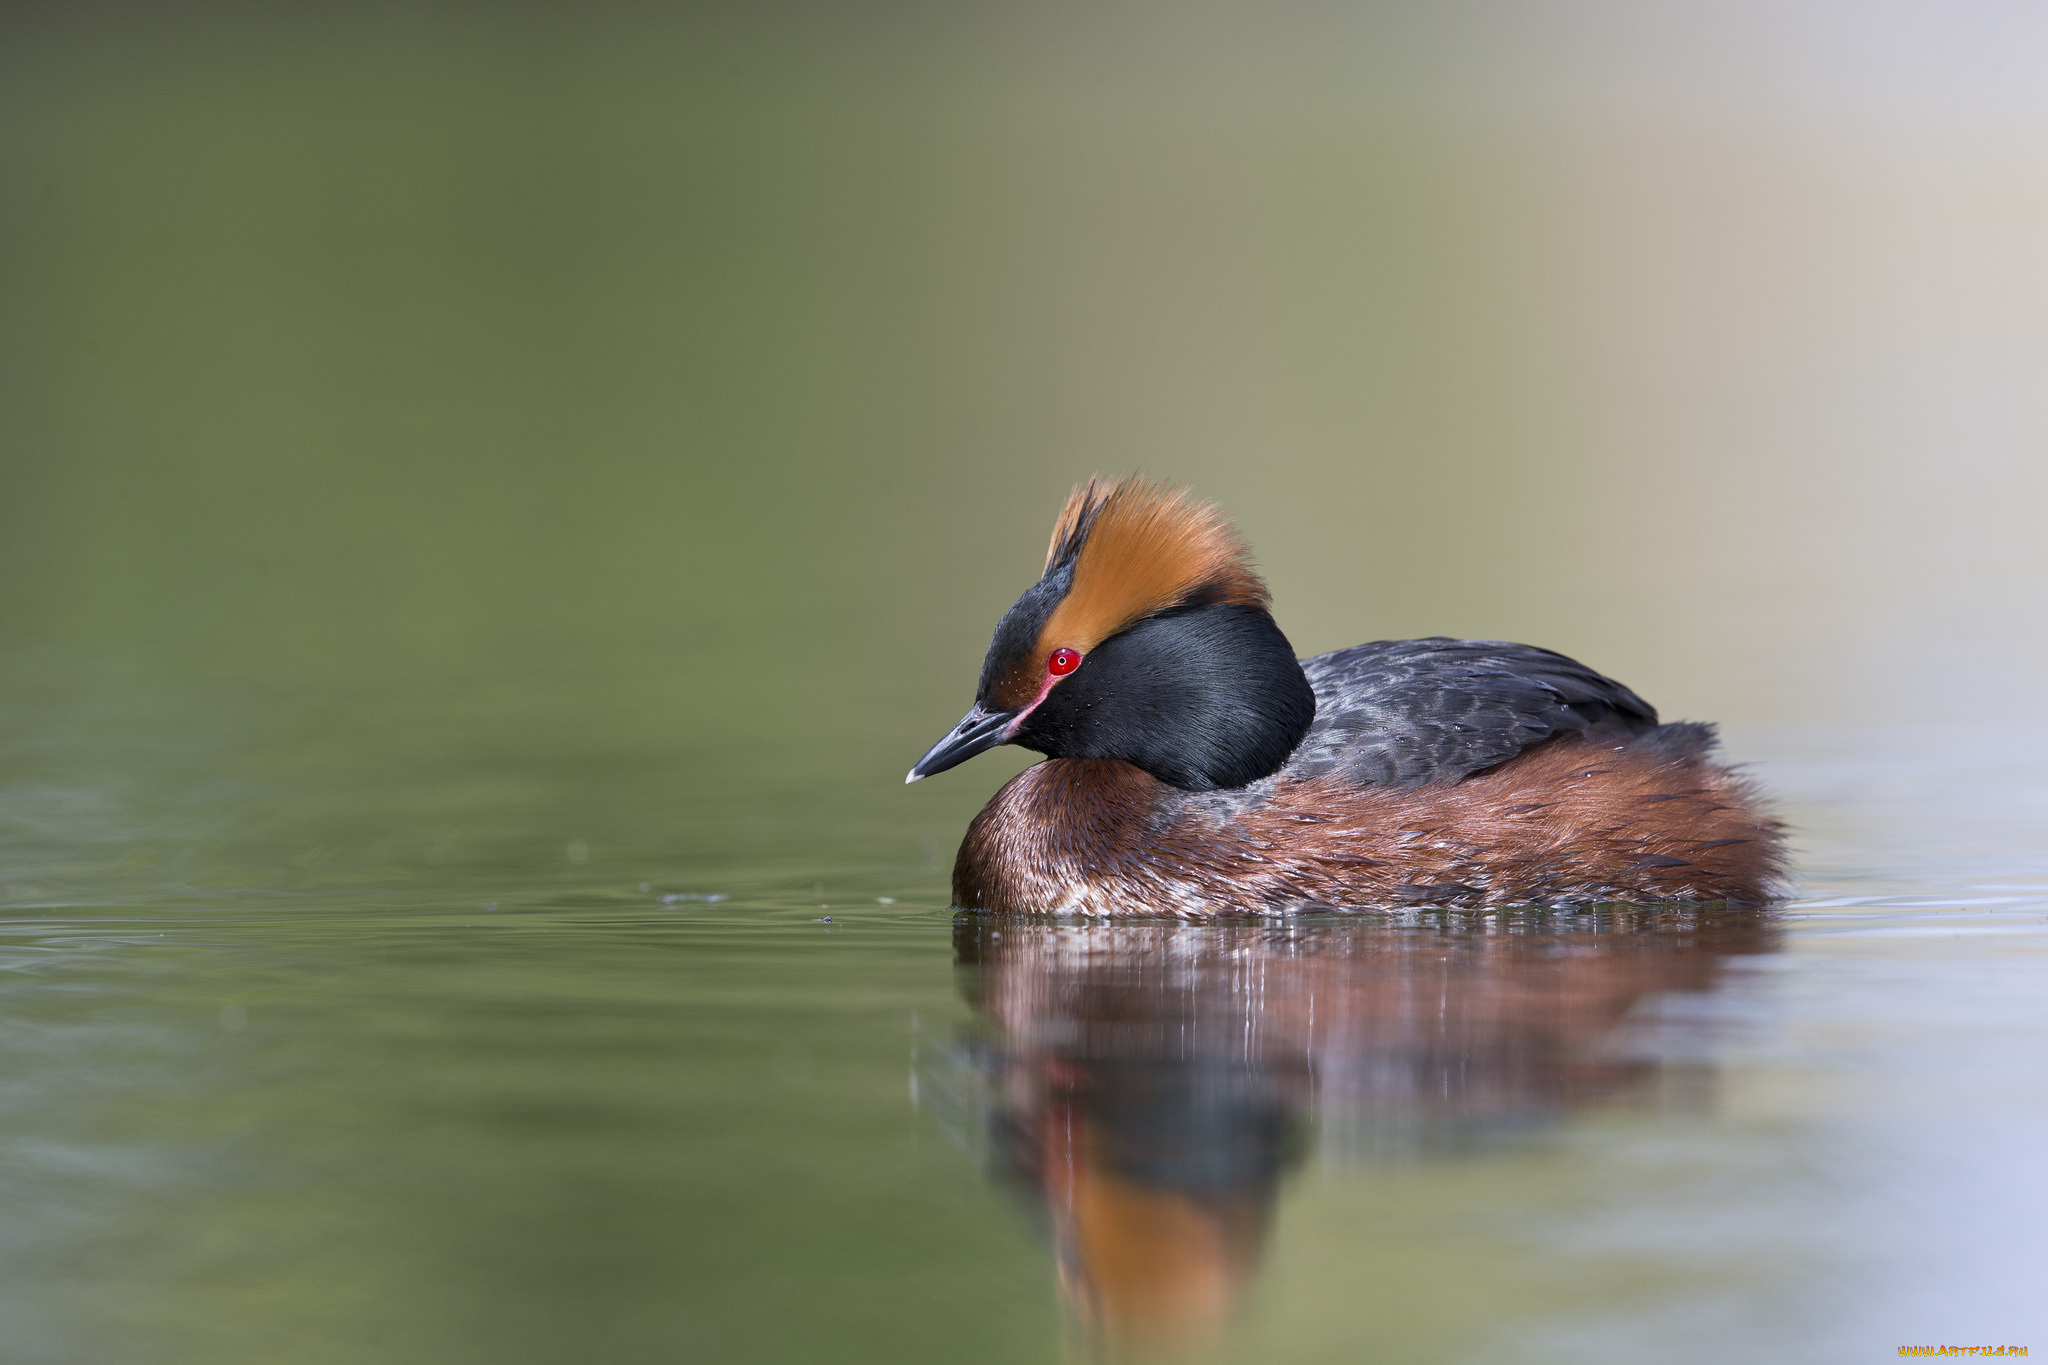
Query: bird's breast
{"points": [[1565, 822]]}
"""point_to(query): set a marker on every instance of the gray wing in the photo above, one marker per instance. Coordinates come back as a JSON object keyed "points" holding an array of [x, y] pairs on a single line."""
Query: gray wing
{"points": [[1407, 712]]}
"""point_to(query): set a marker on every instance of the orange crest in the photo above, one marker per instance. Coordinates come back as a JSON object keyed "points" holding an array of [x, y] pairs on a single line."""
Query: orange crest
{"points": [[1139, 548]]}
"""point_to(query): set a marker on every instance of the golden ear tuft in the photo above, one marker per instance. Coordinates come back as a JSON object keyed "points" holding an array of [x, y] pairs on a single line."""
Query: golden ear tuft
{"points": [[1138, 548]]}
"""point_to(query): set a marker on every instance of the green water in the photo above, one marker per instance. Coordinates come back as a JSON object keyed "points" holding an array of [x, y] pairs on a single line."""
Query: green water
{"points": [[491, 506]]}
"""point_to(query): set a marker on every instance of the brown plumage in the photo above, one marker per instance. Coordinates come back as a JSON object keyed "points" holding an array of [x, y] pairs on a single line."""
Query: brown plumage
{"points": [[1197, 768], [1566, 822]]}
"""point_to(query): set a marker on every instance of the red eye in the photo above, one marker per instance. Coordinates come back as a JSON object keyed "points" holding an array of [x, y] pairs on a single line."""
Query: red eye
{"points": [[1063, 662]]}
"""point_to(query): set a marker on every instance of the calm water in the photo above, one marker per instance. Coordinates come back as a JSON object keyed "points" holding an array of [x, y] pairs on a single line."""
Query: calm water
{"points": [[447, 1056], [492, 504]]}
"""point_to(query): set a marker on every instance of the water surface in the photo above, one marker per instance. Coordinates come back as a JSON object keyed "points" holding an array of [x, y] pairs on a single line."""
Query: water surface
{"points": [[492, 504], [430, 1058]]}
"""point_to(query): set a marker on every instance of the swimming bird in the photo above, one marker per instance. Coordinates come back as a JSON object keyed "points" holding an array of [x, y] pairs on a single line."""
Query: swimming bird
{"points": [[1195, 767]]}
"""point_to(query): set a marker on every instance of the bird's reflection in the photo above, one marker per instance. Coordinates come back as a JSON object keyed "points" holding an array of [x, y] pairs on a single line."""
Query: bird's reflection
{"points": [[1147, 1085]]}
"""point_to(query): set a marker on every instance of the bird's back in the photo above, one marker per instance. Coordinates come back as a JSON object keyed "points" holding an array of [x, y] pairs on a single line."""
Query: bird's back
{"points": [[1408, 713]]}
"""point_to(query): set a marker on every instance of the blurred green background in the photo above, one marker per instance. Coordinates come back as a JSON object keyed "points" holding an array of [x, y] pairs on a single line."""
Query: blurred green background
{"points": [[543, 457], [729, 366]]}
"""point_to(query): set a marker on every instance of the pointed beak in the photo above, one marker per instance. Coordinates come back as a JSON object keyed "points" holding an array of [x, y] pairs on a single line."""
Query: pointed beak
{"points": [[977, 731]]}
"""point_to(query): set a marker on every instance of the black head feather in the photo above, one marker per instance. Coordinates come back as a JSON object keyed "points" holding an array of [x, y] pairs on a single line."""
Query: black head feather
{"points": [[1201, 698]]}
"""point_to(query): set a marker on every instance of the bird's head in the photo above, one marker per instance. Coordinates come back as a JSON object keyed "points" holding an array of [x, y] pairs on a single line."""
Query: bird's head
{"points": [[1147, 639]]}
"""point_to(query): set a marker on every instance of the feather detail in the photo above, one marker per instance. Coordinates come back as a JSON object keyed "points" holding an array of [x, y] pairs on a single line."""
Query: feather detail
{"points": [[1136, 549]]}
